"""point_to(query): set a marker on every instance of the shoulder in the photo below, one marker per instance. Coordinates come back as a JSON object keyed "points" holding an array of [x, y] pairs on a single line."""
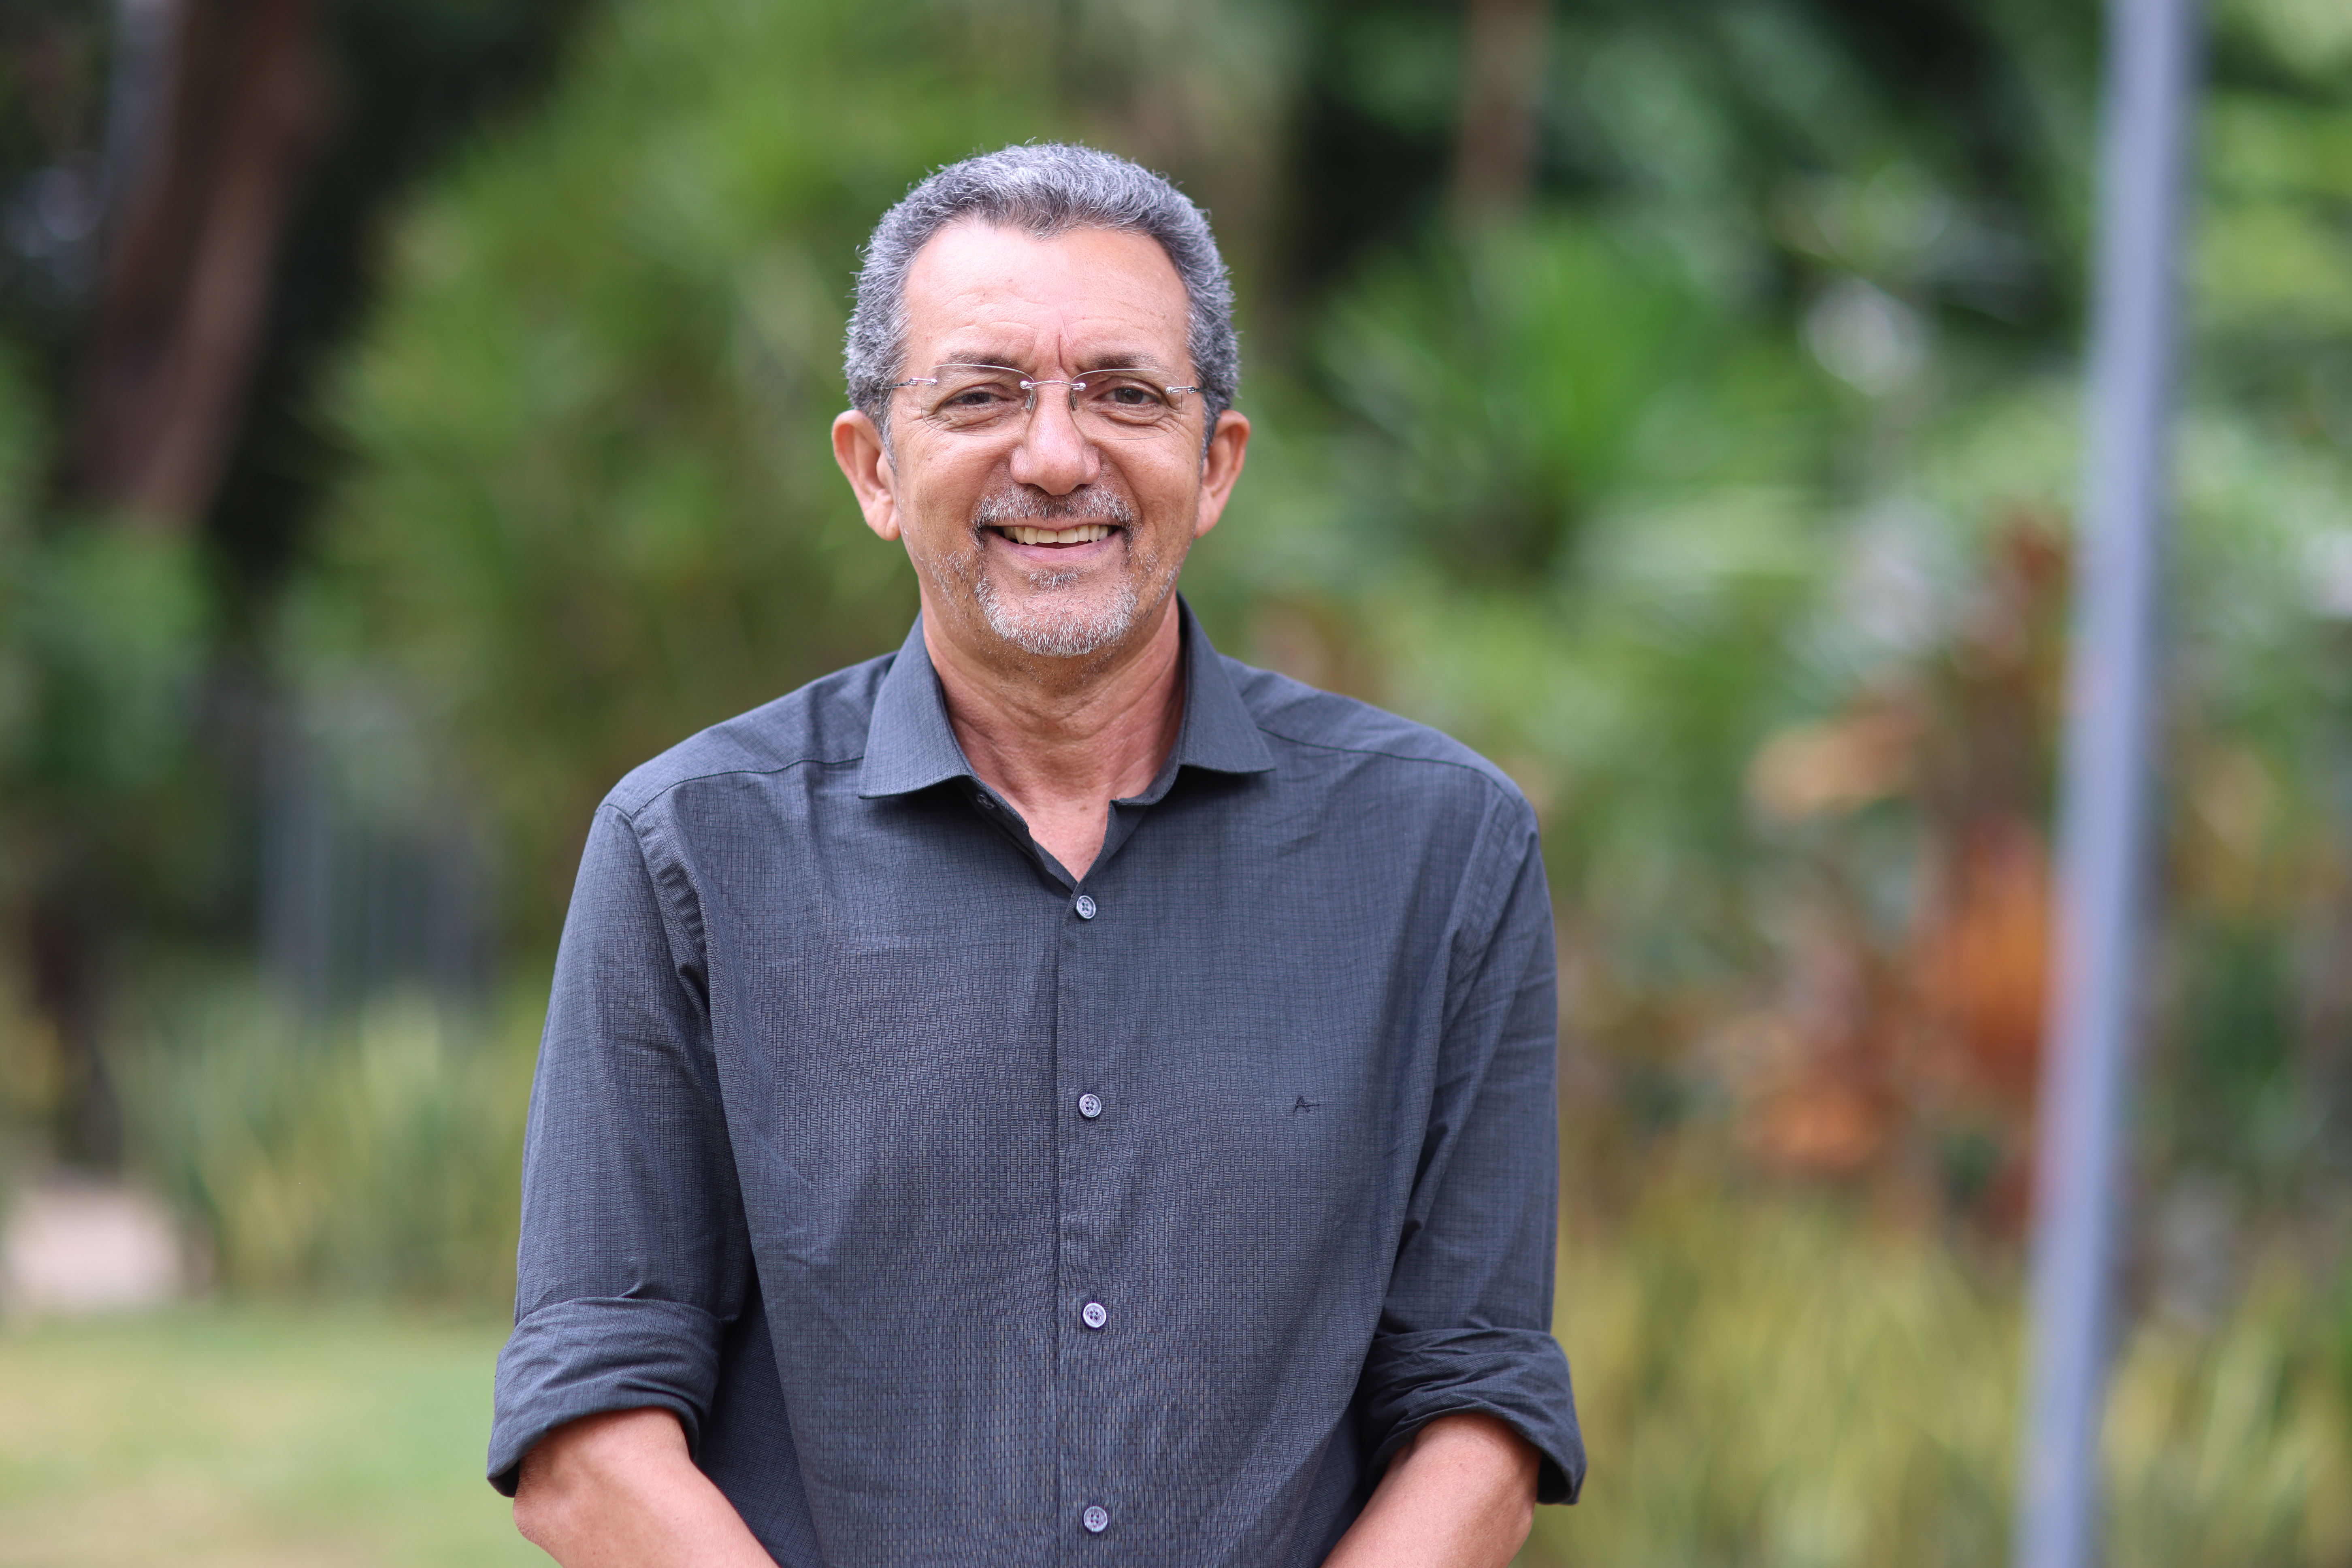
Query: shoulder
{"points": [[822, 723], [1303, 725]]}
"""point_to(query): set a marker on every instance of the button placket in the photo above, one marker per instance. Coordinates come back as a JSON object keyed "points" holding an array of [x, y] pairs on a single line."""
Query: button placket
{"points": [[1087, 1028]]}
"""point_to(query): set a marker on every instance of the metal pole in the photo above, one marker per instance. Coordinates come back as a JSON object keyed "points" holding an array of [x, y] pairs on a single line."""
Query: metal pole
{"points": [[2104, 813]]}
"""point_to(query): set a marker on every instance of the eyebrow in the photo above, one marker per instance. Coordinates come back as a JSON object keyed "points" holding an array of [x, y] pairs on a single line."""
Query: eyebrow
{"points": [[1120, 360]]}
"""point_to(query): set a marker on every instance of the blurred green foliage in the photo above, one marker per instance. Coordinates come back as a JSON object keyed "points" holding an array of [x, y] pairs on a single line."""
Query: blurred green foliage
{"points": [[103, 648], [1765, 1380], [595, 506], [1718, 486], [378, 1157], [593, 511], [1741, 431]]}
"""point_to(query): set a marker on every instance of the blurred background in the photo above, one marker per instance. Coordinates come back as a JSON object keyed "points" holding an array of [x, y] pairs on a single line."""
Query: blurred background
{"points": [[412, 414]]}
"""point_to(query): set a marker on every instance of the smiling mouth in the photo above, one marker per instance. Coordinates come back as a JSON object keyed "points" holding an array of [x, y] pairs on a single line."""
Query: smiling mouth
{"points": [[1084, 533]]}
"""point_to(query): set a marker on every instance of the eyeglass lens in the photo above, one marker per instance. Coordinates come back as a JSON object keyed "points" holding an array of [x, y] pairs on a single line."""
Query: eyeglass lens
{"points": [[979, 399]]}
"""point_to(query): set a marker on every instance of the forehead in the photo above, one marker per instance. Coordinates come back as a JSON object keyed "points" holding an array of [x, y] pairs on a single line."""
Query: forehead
{"points": [[977, 290]]}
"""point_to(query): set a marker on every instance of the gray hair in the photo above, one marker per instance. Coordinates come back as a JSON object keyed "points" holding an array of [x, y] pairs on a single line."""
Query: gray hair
{"points": [[1046, 189]]}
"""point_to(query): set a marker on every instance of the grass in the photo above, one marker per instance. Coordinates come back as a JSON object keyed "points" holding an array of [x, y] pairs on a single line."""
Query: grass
{"points": [[251, 1438]]}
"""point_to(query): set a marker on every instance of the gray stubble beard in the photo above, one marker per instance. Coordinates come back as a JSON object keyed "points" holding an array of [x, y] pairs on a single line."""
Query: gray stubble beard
{"points": [[1049, 626]]}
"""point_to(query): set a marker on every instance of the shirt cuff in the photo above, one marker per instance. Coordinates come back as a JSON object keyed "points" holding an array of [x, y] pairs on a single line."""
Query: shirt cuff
{"points": [[589, 1355], [1518, 1375]]}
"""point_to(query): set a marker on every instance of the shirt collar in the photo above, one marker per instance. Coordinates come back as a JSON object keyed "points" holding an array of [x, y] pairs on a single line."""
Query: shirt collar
{"points": [[910, 745]]}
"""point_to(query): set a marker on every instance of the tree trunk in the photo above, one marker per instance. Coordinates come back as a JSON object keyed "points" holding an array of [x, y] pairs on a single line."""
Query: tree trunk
{"points": [[238, 103], [1503, 54], [218, 106]]}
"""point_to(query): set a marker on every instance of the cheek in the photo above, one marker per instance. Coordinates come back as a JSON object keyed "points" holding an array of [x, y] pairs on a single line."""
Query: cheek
{"points": [[1167, 487], [935, 489]]}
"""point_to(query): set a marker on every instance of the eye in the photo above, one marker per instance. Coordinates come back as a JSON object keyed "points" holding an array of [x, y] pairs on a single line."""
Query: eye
{"points": [[1124, 395], [970, 397]]}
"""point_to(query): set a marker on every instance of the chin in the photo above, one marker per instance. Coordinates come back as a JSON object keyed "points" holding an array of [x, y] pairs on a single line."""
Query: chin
{"points": [[1056, 621], [1055, 631]]}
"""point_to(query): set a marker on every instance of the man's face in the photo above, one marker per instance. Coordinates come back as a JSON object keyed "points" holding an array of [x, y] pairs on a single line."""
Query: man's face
{"points": [[1043, 536]]}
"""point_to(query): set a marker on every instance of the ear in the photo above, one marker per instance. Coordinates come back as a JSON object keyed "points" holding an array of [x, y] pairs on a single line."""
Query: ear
{"points": [[1221, 465], [865, 459]]}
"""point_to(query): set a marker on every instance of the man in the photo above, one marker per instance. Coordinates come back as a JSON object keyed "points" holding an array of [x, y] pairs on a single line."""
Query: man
{"points": [[1052, 1095]]}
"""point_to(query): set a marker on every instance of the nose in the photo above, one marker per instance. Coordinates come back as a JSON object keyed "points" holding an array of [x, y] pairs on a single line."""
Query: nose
{"points": [[1054, 455]]}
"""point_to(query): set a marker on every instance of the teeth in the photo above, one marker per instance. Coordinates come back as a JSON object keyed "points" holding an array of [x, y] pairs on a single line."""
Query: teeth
{"points": [[1085, 533]]}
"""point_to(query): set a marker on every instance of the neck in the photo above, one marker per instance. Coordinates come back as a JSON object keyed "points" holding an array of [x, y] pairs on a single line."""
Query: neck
{"points": [[1061, 739]]}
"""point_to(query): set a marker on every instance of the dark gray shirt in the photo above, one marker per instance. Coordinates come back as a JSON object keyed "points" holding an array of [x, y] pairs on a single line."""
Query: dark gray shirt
{"points": [[968, 1213]]}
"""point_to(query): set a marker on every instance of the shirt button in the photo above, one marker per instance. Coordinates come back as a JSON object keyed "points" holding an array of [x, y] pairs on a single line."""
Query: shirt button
{"points": [[1089, 1106], [1097, 1519], [1085, 906], [1095, 1314]]}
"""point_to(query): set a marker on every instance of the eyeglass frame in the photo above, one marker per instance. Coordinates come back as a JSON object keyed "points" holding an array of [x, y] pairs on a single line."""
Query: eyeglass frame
{"points": [[1029, 383]]}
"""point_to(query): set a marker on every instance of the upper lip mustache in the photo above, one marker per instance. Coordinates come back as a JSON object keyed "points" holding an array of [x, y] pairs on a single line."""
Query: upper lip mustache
{"points": [[1054, 514]]}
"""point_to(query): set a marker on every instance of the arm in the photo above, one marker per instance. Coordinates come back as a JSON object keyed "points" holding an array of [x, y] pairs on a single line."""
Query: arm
{"points": [[635, 1256], [618, 1490], [1460, 1494], [1464, 1395]]}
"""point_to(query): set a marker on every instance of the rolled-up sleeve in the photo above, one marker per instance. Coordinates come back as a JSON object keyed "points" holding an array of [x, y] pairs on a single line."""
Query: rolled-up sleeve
{"points": [[634, 1258], [1466, 1325]]}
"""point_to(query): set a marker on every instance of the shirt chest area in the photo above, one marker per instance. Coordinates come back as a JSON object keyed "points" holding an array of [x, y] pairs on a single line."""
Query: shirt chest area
{"points": [[917, 1007]]}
